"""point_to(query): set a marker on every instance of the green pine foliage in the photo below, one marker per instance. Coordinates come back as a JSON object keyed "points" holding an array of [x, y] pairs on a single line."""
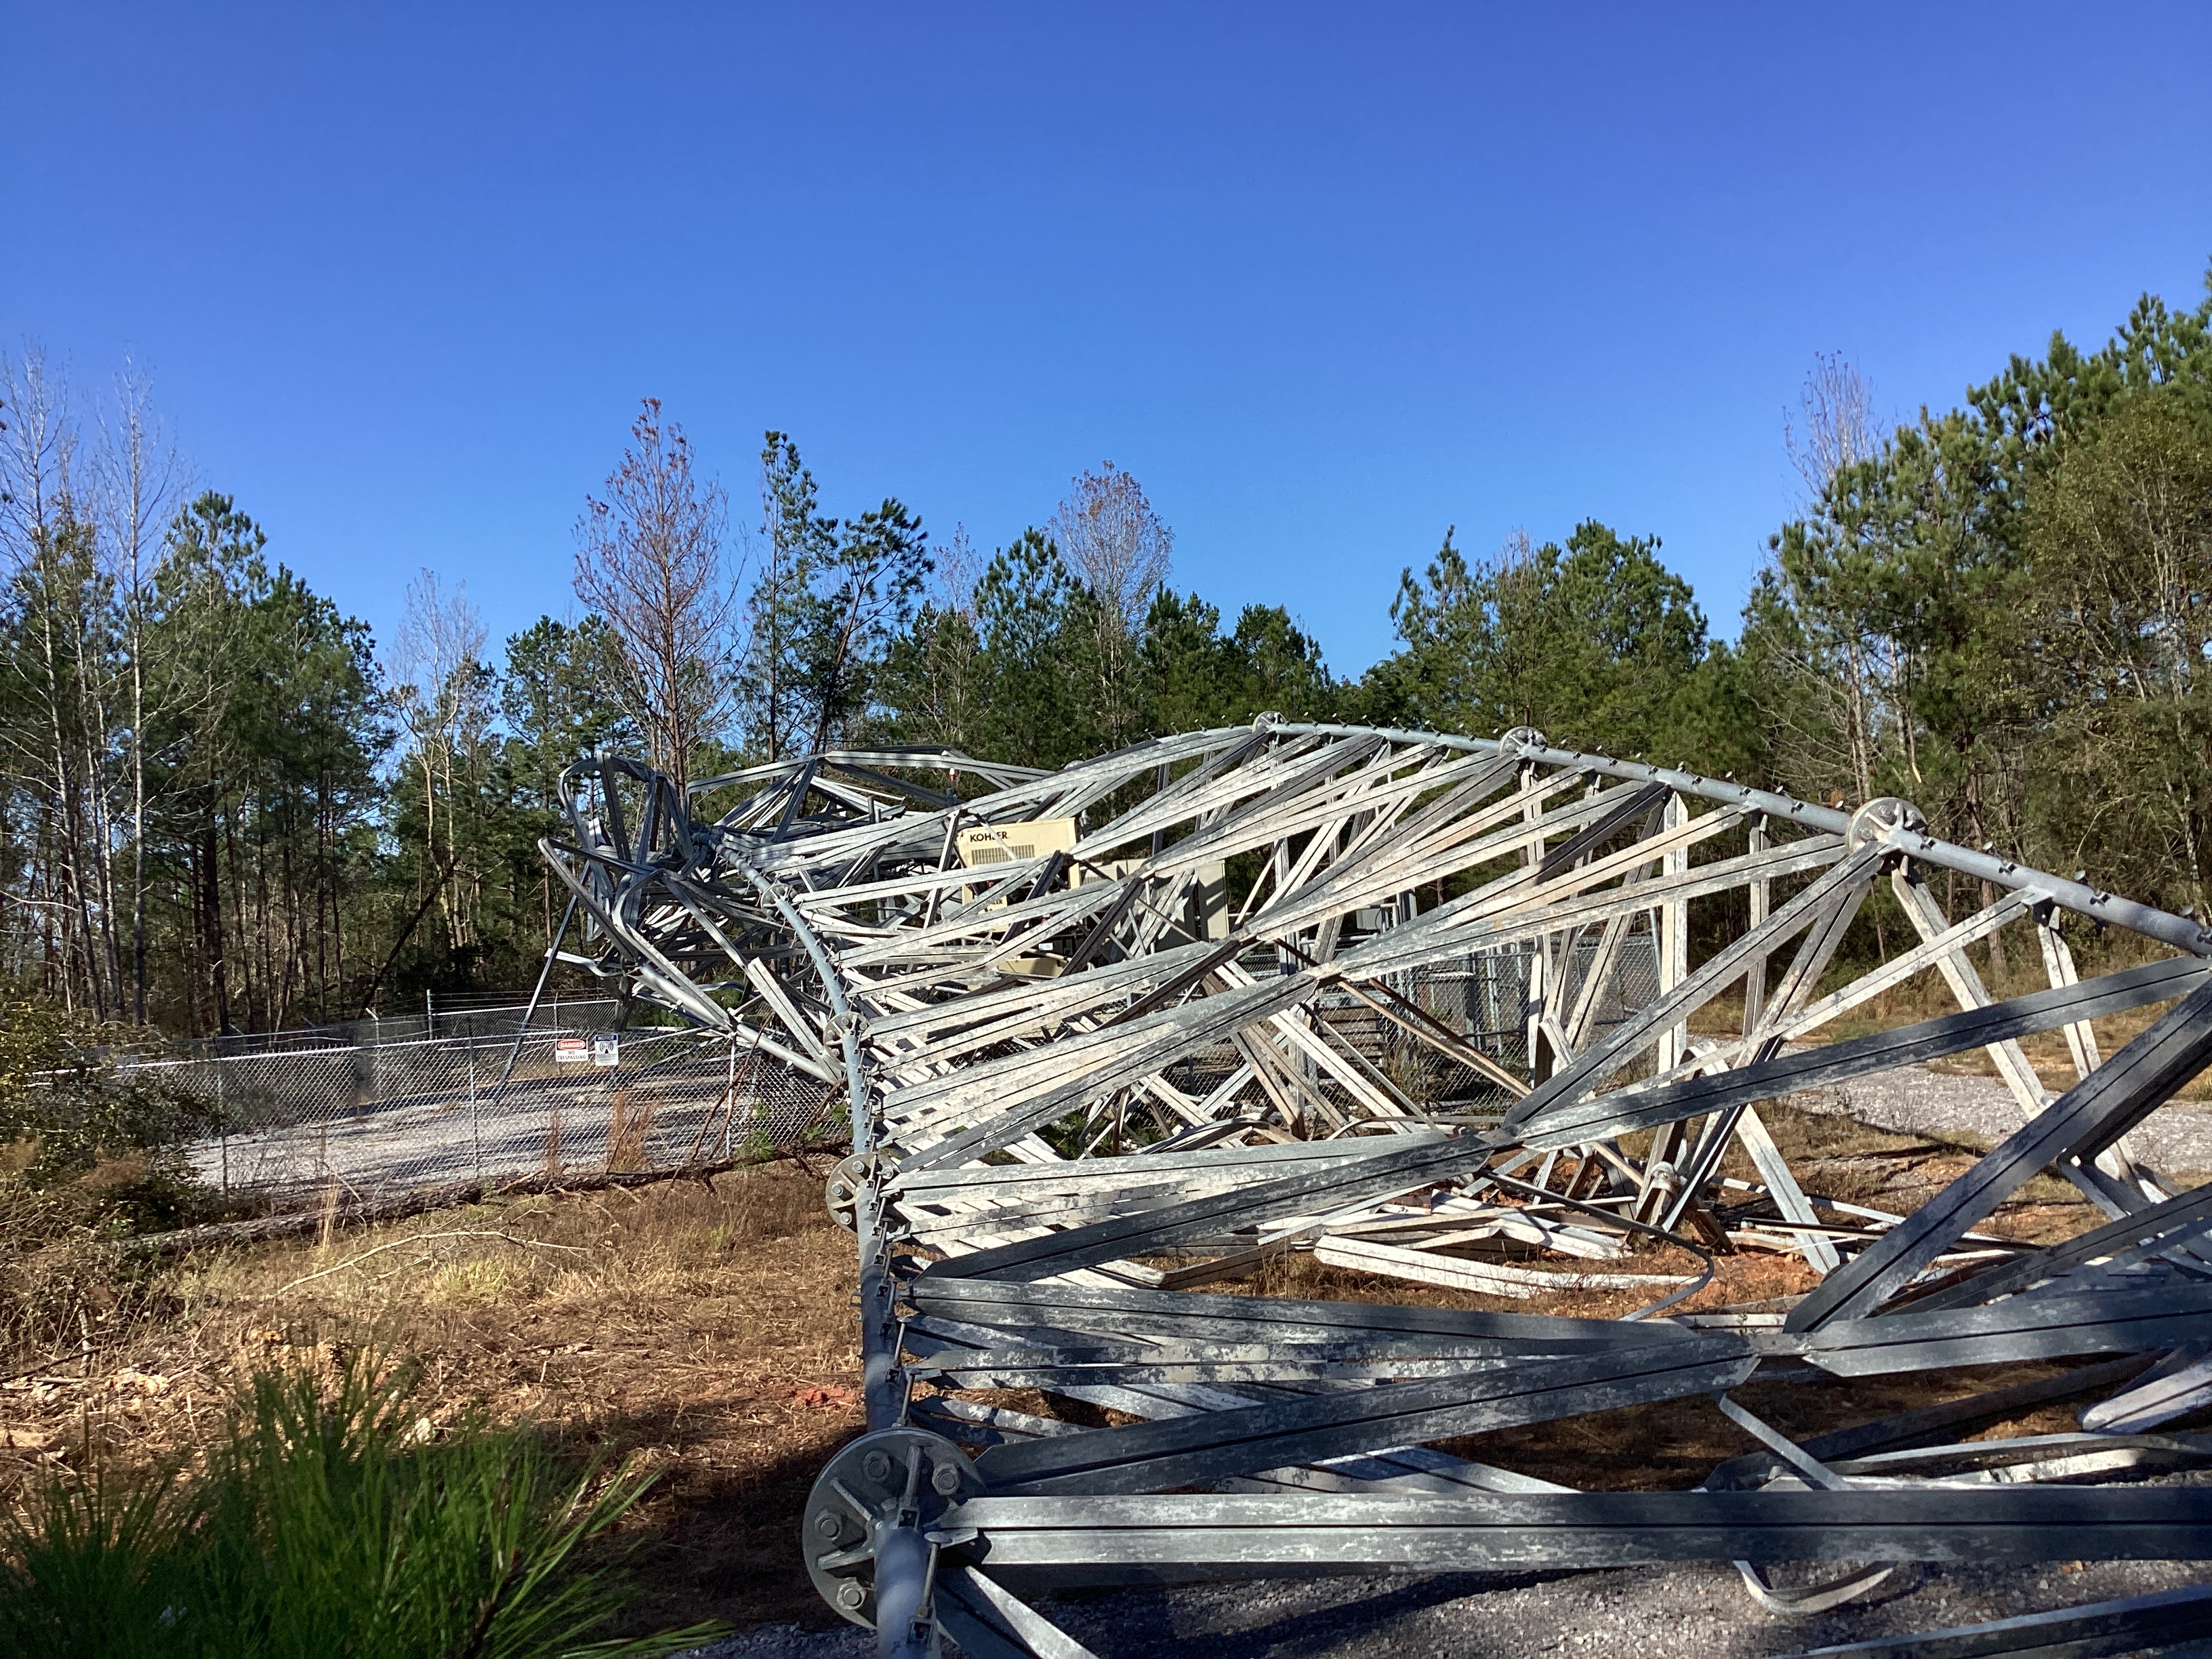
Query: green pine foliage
{"points": [[1017, 673], [222, 813], [2001, 614], [1597, 644]]}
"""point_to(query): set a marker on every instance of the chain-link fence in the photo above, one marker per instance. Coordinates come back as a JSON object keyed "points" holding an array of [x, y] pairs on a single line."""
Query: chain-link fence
{"points": [[451, 1095], [387, 1106], [1486, 998], [1486, 995]]}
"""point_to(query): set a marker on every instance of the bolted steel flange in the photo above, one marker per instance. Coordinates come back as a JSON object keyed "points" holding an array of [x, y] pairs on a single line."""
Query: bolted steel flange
{"points": [[878, 1499], [1519, 738], [1880, 818], [842, 1194]]}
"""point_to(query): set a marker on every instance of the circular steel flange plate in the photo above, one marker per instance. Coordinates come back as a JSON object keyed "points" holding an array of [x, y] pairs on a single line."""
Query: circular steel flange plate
{"points": [[862, 1489]]}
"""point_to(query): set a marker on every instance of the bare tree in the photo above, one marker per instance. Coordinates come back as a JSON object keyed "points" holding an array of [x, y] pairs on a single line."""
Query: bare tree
{"points": [[1835, 424], [959, 567], [1836, 427], [1121, 550], [437, 664], [1111, 537], [36, 452], [49, 548], [649, 560], [143, 481]]}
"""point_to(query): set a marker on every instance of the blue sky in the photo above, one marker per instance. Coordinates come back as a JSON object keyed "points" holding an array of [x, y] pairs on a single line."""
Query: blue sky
{"points": [[1326, 278]]}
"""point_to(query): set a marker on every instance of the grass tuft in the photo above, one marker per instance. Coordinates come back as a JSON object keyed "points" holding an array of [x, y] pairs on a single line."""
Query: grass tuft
{"points": [[326, 1520]]}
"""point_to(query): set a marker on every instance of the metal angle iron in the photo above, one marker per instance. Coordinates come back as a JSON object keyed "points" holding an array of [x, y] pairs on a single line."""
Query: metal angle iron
{"points": [[1111, 1045]]}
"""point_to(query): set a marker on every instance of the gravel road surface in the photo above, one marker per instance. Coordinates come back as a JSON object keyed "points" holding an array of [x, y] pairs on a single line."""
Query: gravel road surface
{"points": [[1696, 1610], [1914, 1100]]}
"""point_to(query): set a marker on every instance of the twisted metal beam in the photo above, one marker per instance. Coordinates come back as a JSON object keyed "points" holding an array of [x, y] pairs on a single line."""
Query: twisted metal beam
{"points": [[1110, 1034]]}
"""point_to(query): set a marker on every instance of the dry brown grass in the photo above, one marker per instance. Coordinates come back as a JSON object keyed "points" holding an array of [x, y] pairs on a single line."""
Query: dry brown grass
{"points": [[629, 1121], [708, 1330], [705, 1329]]}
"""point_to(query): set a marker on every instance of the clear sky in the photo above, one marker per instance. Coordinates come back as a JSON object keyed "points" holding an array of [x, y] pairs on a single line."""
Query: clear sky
{"points": [[1326, 278]]}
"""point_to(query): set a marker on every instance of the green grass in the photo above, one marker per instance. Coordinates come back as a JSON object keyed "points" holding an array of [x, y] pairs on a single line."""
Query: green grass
{"points": [[325, 1524]]}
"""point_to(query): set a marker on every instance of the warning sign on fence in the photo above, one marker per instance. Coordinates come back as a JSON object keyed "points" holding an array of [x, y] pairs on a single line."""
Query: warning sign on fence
{"points": [[606, 1051], [572, 1051]]}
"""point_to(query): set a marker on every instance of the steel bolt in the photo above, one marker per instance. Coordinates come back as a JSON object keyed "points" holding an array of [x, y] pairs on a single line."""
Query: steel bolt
{"points": [[945, 1479], [850, 1595], [826, 1524], [876, 1466]]}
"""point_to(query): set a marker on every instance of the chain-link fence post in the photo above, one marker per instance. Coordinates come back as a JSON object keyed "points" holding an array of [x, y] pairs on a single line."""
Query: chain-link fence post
{"points": [[222, 1122], [476, 1130]]}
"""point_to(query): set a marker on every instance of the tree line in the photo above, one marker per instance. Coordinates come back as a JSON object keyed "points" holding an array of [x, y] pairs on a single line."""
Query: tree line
{"points": [[227, 807]]}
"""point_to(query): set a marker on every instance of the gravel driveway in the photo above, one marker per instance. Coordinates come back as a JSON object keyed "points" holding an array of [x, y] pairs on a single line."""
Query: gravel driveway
{"points": [[1914, 1100], [1697, 1610]]}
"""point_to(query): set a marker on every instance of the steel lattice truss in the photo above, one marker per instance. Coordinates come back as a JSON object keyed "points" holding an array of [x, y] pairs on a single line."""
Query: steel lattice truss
{"points": [[1112, 1034]]}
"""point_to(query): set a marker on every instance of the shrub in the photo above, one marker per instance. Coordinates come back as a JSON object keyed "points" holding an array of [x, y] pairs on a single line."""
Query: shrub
{"points": [[89, 1154], [63, 1098]]}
